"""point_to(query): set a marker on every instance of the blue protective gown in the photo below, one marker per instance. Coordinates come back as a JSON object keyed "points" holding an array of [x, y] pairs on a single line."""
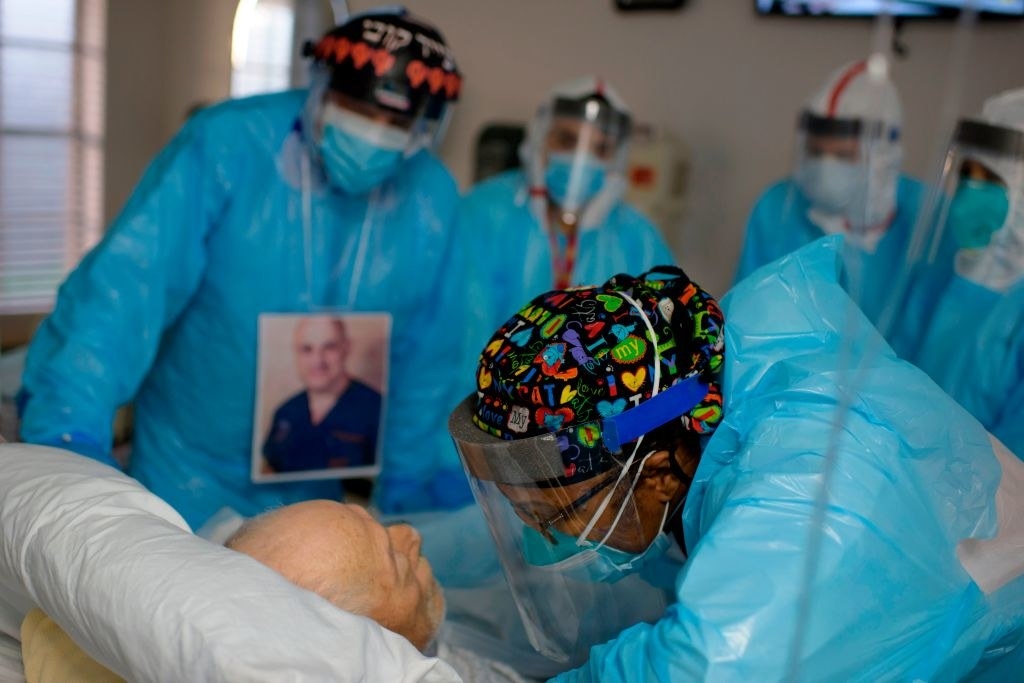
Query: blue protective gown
{"points": [[778, 225], [915, 474], [164, 312], [974, 350], [511, 254]]}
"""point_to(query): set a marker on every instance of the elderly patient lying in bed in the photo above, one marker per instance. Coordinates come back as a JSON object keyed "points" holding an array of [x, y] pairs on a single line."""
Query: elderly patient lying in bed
{"points": [[344, 555], [337, 551]]}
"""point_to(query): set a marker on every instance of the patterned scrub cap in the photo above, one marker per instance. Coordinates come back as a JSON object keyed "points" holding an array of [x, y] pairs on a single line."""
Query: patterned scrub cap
{"points": [[577, 356]]}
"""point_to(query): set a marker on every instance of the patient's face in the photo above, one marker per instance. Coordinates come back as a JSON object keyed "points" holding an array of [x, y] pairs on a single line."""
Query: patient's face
{"points": [[343, 554]]}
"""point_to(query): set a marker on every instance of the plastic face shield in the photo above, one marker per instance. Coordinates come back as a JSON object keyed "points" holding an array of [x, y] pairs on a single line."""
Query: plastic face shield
{"points": [[583, 143], [582, 561], [416, 131], [970, 231], [980, 201], [845, 182], [846, 170]]}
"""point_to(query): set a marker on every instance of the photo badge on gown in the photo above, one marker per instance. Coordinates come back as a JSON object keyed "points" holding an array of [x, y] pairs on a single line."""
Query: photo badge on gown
{"points": [[321, 396]]}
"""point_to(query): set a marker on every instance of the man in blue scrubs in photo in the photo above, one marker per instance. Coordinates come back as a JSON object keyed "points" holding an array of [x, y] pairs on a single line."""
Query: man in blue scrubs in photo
{"points": [[334, 421]]}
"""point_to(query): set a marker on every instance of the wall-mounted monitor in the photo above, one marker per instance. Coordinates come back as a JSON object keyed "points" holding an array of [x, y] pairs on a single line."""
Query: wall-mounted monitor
{"points": [[900, 8], [1012, 8]]}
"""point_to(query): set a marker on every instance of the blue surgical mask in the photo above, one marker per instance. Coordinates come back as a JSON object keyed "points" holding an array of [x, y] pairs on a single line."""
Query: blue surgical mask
{"points": [[978, 210], [588, 180], [359, 154], [833, 186], [588, 562]]}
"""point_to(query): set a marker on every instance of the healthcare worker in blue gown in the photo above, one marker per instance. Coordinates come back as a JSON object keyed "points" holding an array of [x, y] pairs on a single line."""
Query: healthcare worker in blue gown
{"points": [[847, 181], [975, 345], [560, 220], [772, 497], [320, 200]]}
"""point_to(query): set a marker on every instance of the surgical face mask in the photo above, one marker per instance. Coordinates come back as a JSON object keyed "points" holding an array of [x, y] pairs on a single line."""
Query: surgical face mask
{"points": [[978, 210], [588, 561], [574, 178], [359, 154], [833, 186]]}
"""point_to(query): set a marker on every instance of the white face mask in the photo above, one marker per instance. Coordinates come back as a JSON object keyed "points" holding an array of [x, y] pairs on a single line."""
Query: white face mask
{"points": [[850, 198], [833, 186]]}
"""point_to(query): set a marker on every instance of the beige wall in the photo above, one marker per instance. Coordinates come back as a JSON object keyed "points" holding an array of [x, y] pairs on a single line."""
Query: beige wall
{"points": [[162, 58], [724, 80], [137, 64]]}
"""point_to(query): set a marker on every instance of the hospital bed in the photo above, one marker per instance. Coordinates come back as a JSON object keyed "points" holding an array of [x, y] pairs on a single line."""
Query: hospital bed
{"points": [[123, 575]]}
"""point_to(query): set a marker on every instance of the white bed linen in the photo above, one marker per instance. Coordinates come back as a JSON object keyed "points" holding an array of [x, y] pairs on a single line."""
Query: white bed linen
{"points": [[121, 572], [10, 660]]}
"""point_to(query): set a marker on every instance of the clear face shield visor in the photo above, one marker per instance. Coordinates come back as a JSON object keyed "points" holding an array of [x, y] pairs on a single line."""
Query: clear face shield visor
{"points": [[982, 182], [584, 559], [372, 123], [583, 144], [846, 170]]}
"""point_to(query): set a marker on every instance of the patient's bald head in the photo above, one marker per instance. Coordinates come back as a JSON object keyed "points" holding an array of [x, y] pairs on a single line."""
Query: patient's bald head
{"points": [[343, 554]]}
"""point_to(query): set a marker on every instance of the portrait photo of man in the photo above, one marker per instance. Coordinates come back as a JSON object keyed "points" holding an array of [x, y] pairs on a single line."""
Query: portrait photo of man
{"points": [[330, 426]]}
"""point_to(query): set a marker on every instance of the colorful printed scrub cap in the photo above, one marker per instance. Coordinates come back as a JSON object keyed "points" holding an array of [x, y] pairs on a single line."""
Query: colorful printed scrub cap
{"points": [[582, 355]]}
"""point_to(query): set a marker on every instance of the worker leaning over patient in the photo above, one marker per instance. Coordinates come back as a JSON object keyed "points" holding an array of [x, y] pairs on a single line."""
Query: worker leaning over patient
{"points": [[650, 471]]}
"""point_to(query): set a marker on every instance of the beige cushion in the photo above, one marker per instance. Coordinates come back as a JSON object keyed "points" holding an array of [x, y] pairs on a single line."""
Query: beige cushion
{"points": [[50, 656]]}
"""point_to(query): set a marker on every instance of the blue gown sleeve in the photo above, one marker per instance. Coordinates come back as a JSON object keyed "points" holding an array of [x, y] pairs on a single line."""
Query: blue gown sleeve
{"points": [[999, 372], [639, 239], [660, 253], [426, 387], [751, 257], [492, 292], [1010, 427], [93, 351]]}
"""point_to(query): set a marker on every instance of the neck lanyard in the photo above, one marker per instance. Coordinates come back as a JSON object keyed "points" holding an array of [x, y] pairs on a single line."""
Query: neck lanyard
{"points": [[564, 263]]}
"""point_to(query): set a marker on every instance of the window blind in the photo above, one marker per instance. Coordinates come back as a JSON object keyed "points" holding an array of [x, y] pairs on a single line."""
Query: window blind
{"points": [[52, 64]]}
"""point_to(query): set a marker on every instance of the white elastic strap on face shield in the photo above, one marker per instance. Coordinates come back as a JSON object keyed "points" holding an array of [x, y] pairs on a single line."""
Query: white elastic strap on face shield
{"points": [[582, 538], [379, 134], [622, 508]]}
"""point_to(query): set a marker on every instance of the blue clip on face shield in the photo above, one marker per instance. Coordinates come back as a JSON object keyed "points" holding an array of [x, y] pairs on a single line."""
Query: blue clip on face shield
{"points": [[543, 460]]}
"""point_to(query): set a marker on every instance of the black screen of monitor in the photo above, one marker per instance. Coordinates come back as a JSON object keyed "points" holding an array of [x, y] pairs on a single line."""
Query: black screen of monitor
{"points": [[901, 8]]}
